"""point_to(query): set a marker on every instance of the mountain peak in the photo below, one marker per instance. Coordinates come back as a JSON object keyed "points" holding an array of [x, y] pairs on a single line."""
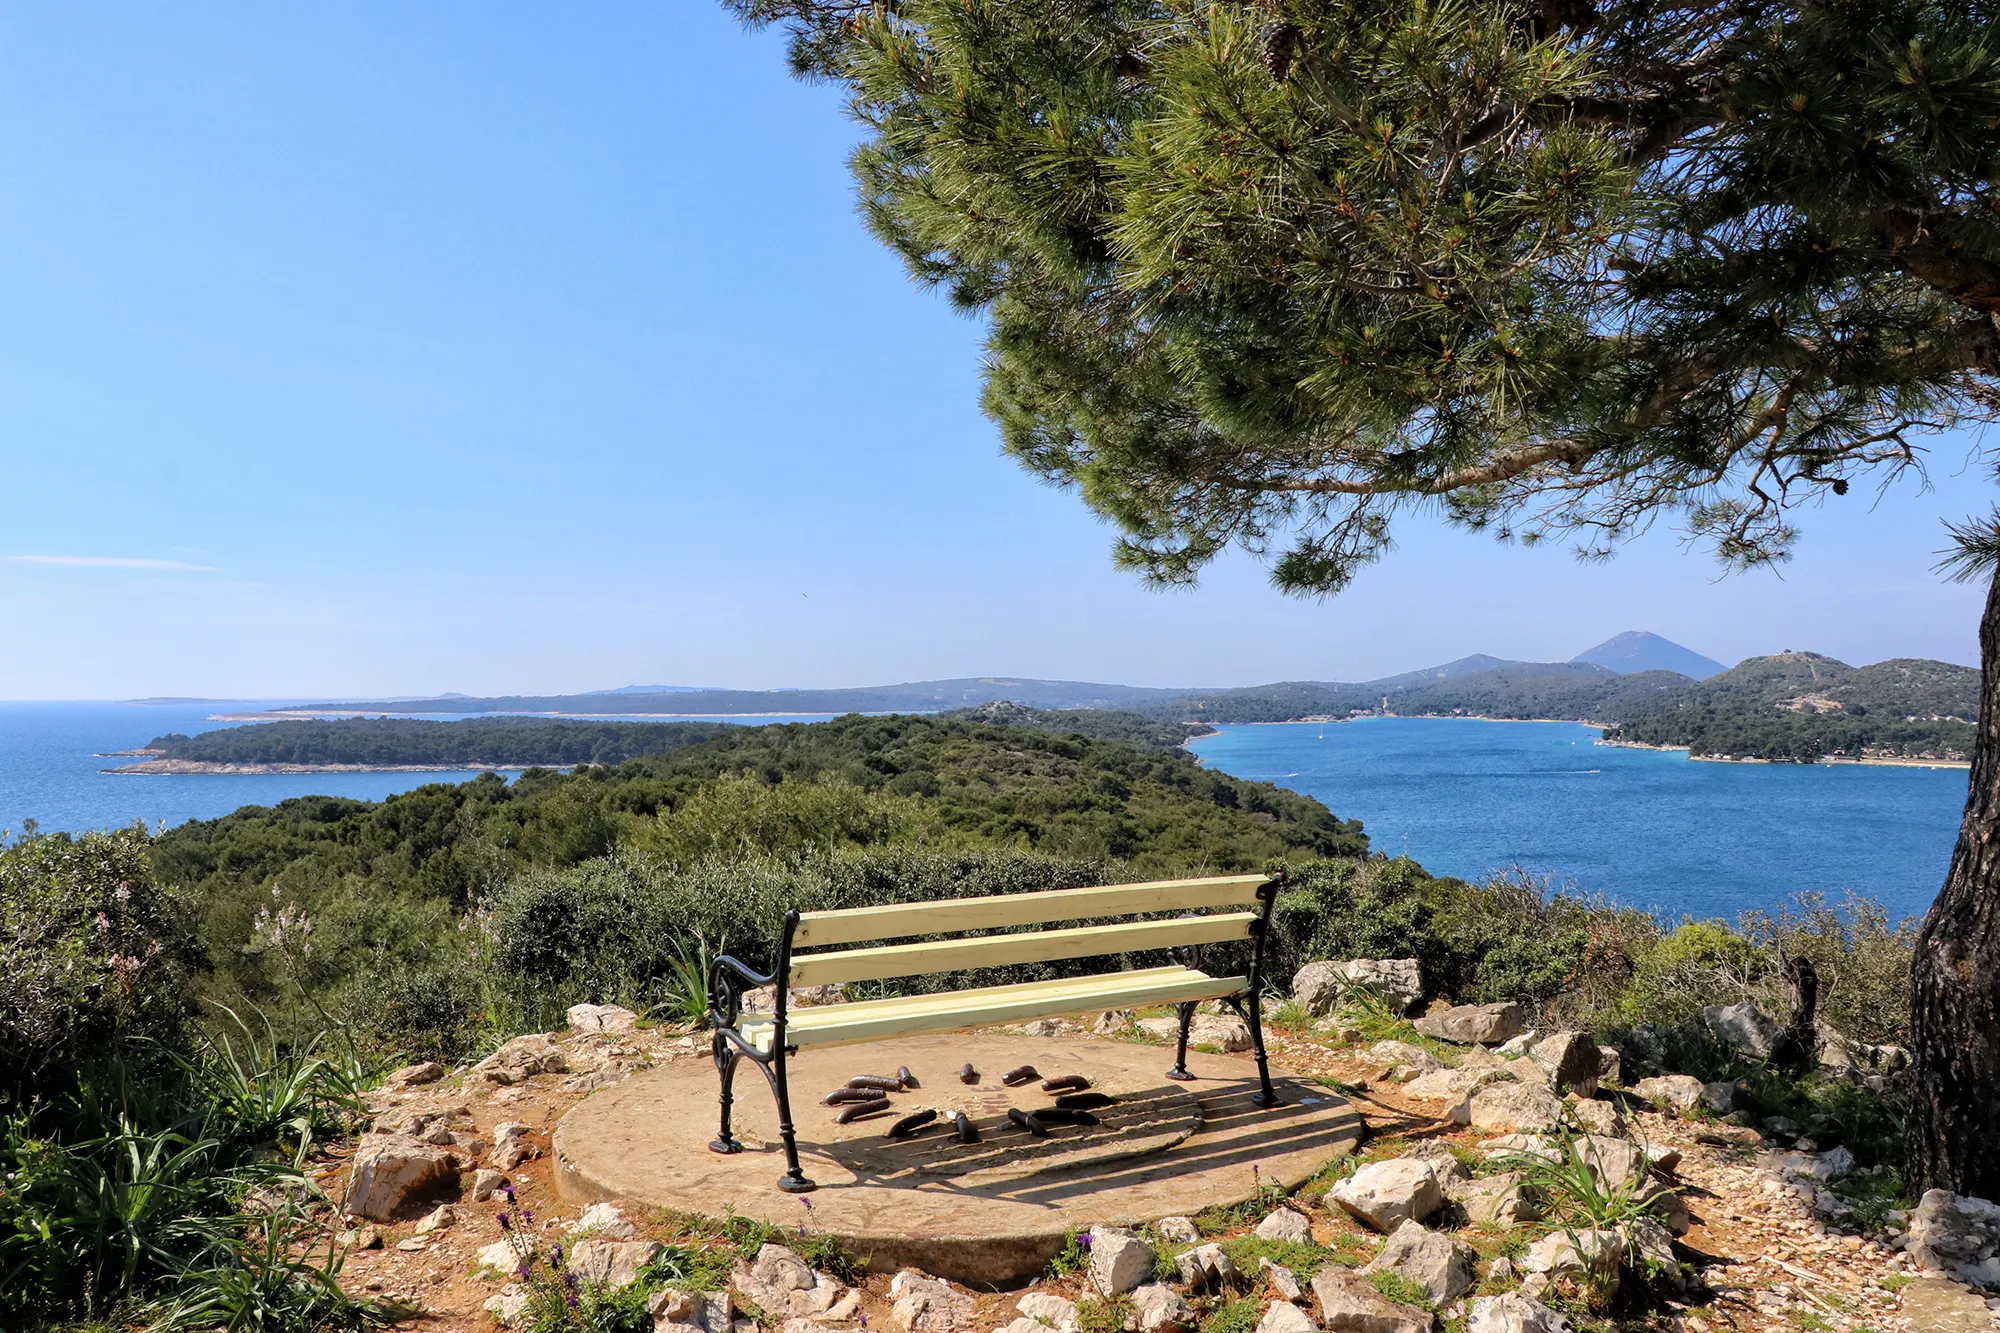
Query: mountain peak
{"points": [[1637, 650]]}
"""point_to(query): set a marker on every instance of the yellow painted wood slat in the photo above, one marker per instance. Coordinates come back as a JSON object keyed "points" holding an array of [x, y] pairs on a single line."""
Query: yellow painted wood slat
{"points": [[1040, 946], [830, 1030], [959, 998], [951, 915]]}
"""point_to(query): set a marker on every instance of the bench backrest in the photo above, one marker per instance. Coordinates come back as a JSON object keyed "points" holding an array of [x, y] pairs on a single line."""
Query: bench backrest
{"points": [[954, 916]]}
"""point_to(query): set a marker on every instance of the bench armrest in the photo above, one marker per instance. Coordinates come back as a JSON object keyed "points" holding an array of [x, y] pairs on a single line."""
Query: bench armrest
{"points": [[725, 998]]}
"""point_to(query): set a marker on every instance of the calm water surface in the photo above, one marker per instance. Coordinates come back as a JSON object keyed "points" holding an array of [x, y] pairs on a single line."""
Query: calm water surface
{"points": [[1651, 828], [51, 767]]}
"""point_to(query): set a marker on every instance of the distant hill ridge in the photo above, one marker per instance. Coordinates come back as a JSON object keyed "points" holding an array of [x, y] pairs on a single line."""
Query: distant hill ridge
{"points": [[943, 695], [1636, 650]]}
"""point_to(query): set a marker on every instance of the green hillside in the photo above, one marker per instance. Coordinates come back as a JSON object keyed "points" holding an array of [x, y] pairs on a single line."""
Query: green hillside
{"points": [[507, 742], [1805, 706]]}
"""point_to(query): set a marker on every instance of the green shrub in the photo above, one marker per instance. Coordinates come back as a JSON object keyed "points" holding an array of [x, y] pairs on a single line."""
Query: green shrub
{"points": [[612, 929], [420, 1011], [96, 957]]}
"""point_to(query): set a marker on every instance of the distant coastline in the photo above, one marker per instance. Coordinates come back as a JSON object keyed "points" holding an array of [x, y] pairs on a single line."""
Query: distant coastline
{"points": [[1870, 761], [197, 767]]}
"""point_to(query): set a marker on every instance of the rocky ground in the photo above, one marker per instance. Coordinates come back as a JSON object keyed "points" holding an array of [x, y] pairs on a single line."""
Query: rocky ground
{"points": [[1440, 1224]]}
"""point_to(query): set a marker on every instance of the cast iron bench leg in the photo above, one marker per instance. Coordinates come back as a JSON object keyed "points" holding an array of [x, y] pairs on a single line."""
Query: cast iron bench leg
{"points": [[1179, 1073], [794, 1180], [726, 1057]]}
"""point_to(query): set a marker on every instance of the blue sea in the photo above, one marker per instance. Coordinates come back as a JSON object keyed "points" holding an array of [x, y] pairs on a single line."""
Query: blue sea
{"points": [[52, 762], [1652, 829]]}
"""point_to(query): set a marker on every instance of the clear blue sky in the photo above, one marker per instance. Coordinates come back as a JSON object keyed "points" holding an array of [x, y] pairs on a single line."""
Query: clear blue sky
{"points": [[379, 348]]}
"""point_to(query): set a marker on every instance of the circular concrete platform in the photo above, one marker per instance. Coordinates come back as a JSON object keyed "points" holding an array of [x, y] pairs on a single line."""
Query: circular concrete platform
{"points": [[994, 1212]]}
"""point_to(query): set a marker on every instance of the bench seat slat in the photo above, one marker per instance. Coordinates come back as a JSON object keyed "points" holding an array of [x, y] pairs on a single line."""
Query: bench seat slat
{"points": [[1041, 946], [951, 915], [872, 1020]]}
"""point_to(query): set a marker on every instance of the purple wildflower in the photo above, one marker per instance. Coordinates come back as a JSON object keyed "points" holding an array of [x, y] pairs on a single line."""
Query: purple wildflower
{"points": [[1083, 1239], [506, 1222], [571, 1300], [508, 1190], [528, 1216], [526, 1270], [555, 1256]]}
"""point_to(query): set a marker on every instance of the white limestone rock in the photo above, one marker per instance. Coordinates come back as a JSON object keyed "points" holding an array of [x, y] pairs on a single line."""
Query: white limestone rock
{"points": [[923, 1304], [1225, 1032], [1050, 1310], [703, 1311], [601, 1018], [1470, 1024], [1179, 1229], [1679, 1092], [508, 1304], [1282, 1279], [1390, 1053], [1386, 1194], [604, 1221], [783, 1285], [1207, 1269], [1437, 1263], [438, 1218], [1284, 1317], [1569, 1060], [1319, 986], [1558, 1256], [1120, 1259], [1450, 1085], [511, 1145], [499, 1257], [1513, 1313], [395, 1177], [1496, 1200], [1508, 1108], [1161, 1309], [1443, 1161], [1959, 1234], [1349, 1303], [1284, 1224], [611, 1263]]}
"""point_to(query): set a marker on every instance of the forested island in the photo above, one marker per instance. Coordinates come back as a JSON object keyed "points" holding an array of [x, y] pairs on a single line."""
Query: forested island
{"points": [[409, 744]]}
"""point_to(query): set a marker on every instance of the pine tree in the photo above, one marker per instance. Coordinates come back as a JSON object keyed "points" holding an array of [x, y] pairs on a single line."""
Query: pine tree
{"points": [[1265, 274]]}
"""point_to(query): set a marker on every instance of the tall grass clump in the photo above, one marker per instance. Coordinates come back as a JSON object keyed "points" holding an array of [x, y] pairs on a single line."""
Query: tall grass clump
{"points": [[149, 1169]]}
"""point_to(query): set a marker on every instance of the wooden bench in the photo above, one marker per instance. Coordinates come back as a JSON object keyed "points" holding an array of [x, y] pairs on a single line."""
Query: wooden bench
{"points": [[1213, 911]]}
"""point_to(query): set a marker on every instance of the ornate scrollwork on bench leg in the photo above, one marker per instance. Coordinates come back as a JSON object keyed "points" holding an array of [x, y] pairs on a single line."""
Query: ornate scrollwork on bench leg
{"points": [[1267, 896], [725, 1007], [726, 1057]]}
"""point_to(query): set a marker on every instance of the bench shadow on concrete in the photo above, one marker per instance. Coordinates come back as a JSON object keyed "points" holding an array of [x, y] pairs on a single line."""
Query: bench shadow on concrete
{"points": [[1234, 1132]]}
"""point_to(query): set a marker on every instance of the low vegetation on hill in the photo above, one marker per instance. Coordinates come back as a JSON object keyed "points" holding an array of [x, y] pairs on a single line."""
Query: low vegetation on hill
{"points": [[1804, 707], [1100, 723], [507, 742]]}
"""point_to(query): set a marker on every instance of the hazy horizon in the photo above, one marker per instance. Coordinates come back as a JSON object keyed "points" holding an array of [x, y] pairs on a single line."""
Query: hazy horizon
{"points": [[388, 696]]}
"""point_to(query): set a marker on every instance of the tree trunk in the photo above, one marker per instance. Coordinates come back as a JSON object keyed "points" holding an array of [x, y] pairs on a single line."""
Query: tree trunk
{"points": [[1954, 1117]]}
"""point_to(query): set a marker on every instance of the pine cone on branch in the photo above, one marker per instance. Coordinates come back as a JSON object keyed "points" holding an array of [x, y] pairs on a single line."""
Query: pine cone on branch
{"points": [[1281, 47]]}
